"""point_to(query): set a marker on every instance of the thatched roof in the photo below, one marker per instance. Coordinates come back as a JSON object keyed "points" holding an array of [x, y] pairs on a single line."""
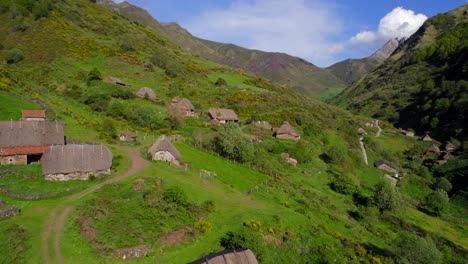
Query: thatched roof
{"points": [[110, 79], [33, 114], [448, 146], [31, 133], [286, 128], [185, 103], [262, 124], [76, 158], [146, 91], [447, 156], [241, 256], [127, 134], [175, 100], [433, 149], [163, 144], [426, 138], [223, 114]]}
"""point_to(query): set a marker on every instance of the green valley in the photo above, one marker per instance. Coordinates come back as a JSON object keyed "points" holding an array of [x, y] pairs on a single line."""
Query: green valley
{"points": [[296, 192]]}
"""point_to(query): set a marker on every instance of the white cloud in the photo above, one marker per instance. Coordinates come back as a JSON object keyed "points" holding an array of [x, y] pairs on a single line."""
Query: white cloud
{"points": [[297, 27], [398, 23]]}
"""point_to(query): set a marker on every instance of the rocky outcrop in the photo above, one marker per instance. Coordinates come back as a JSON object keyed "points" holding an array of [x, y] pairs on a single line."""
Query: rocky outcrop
{"points": [[9, 212], [387, 50]]}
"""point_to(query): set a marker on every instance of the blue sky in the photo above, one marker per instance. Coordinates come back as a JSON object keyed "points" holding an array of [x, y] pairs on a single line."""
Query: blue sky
{"points": [[320, 31]]}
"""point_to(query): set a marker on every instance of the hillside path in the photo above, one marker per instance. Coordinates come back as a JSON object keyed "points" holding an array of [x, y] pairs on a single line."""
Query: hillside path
{"points": [[363, 149], [379, 129], [53, 229]]}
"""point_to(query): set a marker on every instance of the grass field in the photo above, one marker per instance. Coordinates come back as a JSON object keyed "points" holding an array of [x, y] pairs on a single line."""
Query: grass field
{"points": [[11, 106]]}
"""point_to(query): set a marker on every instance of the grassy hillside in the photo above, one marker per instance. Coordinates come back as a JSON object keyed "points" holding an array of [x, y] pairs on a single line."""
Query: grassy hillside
{"points": [[351, 70], [423, 85], [302, 76], [325, 209]]}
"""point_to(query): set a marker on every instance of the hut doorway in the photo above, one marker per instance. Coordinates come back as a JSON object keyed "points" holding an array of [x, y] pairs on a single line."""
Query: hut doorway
{"points": [[34, 158]]}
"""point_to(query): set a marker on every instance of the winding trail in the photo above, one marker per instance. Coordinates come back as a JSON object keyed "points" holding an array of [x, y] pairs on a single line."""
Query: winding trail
{"points": [[52, 230], [378, 127]]}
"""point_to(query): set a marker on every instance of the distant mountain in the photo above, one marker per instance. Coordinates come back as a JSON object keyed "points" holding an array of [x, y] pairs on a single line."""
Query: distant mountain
{"points": [[351, 70], [295, 72], [424, 84]]}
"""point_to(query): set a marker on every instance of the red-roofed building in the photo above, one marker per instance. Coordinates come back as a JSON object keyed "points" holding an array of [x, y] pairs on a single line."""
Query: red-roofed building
{"points": [[33, 115]]}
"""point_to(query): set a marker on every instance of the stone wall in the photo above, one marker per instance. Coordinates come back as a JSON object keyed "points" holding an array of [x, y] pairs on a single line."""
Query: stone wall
{"points": [[133, 252], [165, 156], [9, 212], [14, 160], [74, 175]]}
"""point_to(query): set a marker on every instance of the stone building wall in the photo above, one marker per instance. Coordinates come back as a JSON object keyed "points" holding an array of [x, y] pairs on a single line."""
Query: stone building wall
{"points": [[9, 212], [14, 160], [74, 175]]}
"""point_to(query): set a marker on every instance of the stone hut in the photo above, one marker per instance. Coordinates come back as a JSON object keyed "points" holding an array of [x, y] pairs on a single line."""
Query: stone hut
{"points": [[446, 156], [183, 106], [114, 80], [433, 149], [426, 138], [75, 162], [361, 131], [24, 142], [385, 166], [244, 256], [263, 124], [222, 116], [146, 92], [286, 131], [288, 159], [448, 146], [33, 115], [127, 136], [163, 149]]}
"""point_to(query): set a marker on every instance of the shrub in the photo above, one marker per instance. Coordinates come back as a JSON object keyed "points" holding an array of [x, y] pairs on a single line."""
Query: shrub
{"points": [[220, 82], [41, 8], [436, 202], [344, 184], [410, 248], [230, 143], [175, 195], [244, 239], [94, 74], [14, 55], [109, 128], [254, 225], [14, 246], [203, 226], [443, 184], [97, 101], [208, 206], [385, 196]]}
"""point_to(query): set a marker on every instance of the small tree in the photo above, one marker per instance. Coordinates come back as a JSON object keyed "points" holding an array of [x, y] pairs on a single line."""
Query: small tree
{"points": [[410, 248], [436, 202], [230, 143], [93, 75], [220, 82], [109, 128], [385, 197], [244, 238], [14, 55], [443, 184], [344, 184]]}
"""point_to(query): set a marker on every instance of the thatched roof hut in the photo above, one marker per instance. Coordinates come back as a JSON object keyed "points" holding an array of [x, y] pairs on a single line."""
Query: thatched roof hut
{"points": [[67, 159], [114, 80], [127, 136], [361, 131], [163, 149], [244, 256], [433, 149], [33, 115], [262, 124], [222, 115], [426, 138], [286, 131], [146, 91], [448, 146], [383, 165], [29, 137]]}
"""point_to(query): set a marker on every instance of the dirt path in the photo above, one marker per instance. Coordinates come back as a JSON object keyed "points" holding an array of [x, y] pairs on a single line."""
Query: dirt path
{"points": [[379, 129], [58, 217], [363, 149]]}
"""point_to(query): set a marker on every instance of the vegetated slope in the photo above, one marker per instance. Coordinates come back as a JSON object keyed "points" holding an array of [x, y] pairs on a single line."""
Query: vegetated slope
{"points": [[351, 70], [322, 209], [423, 85], [280, 67]]}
